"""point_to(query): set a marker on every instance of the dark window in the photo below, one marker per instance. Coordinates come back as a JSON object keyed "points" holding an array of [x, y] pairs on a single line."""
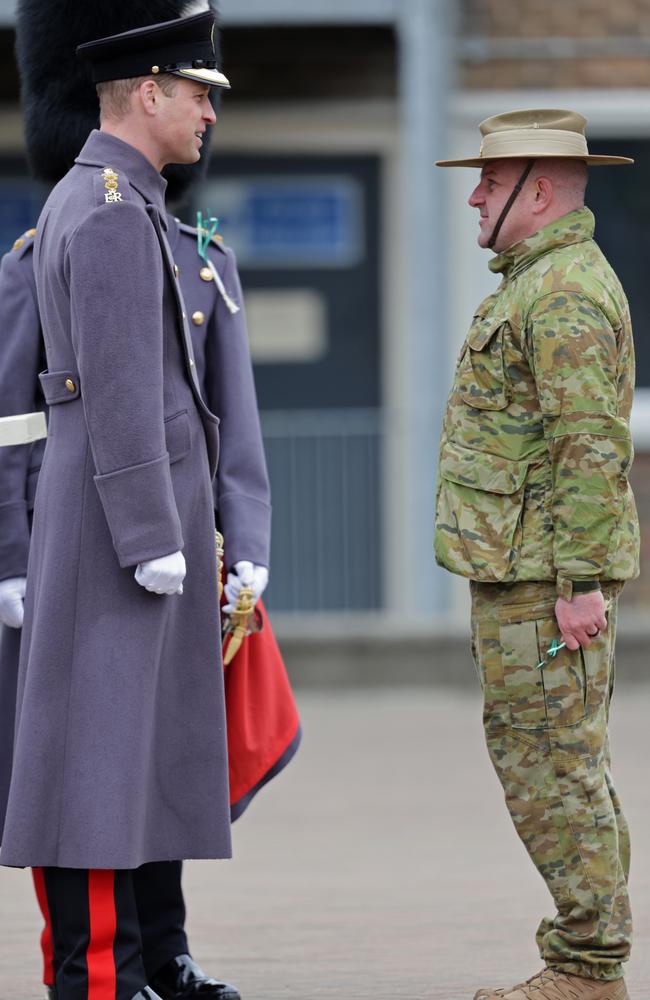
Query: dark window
{"points": [[620, 199]]}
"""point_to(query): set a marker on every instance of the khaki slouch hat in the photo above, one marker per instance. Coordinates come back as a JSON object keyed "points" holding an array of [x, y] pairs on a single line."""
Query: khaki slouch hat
{"points": [[540, 133]]}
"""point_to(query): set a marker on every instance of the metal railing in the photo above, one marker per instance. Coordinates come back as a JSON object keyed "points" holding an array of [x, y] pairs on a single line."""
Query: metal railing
{"points": [[325, 471]]}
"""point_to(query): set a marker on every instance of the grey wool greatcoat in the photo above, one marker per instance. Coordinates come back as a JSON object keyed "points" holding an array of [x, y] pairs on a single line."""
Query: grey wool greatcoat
{"points": [[21, 358], [241, 488], [224, 369], [120, 749]]}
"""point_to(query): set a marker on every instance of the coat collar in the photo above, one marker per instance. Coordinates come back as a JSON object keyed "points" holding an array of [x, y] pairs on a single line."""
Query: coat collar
{"points": [[575, 227], [173, 231], [104, 150]]}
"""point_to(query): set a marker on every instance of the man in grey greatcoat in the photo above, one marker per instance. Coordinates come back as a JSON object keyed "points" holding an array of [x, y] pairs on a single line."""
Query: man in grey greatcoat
{"points": [[120, 750]]}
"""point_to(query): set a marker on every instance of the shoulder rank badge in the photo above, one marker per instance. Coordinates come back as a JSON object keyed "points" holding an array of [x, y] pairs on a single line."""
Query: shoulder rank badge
{"points": [[20, 242], [111, 183]]}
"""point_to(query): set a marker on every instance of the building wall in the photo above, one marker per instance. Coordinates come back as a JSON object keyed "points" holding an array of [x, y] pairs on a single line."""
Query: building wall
{"points": [[556, 44]]}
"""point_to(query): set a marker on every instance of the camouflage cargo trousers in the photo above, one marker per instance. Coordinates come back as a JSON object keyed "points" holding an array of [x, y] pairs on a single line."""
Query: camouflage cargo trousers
{"points": [[546, 732]]}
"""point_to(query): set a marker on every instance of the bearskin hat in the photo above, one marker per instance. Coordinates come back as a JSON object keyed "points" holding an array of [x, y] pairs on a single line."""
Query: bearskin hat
{"points": [[60, 105]]}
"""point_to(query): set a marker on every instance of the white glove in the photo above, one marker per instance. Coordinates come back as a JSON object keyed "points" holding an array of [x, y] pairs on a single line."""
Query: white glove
{"points": [[164, 575], [246, 574], [11, 601]]}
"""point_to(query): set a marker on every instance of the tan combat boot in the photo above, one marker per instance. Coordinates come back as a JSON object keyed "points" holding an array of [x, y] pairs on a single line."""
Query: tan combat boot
{"points": [[550, 984], [488, 993]]}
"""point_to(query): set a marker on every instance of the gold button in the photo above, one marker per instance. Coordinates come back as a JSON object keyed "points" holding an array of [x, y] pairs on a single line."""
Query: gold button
{"points": [[205, 274], [30, 232], [176, 271], [19, 243], [198, 318], [69, 384], [155, 69]]}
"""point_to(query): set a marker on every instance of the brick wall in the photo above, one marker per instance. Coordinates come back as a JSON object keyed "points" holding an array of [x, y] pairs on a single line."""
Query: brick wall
{"points": [[604, 43]]}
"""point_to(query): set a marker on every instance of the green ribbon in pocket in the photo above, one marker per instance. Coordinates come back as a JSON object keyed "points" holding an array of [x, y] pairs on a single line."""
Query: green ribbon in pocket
{"points": [[552, 651]]}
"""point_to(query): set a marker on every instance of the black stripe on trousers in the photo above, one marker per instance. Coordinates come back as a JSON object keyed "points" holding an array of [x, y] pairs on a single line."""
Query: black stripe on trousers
{"points": [[161, 911], [96, 934]]}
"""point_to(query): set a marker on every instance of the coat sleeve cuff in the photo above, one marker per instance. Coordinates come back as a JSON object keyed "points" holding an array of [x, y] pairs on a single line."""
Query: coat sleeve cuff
{"points": [[245, 524], [140, 509], [14, 539]]}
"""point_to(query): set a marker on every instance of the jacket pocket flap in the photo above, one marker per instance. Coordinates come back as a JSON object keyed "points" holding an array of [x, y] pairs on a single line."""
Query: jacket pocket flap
{"points": [[480, 470], [177, 436], [482, 330]]}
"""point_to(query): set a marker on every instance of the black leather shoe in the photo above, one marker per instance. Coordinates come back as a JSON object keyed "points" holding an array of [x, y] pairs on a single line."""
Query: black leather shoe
{"points": [[183, 979]]}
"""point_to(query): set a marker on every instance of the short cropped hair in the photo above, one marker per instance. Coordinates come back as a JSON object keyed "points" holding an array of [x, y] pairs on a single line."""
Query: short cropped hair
{"points": [[115, 95]]}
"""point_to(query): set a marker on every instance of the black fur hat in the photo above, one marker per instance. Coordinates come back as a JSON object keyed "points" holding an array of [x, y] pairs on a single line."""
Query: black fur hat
{"points": [[60, 105]]}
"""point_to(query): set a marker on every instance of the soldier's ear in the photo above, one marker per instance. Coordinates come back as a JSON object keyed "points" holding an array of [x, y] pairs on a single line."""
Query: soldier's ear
{"points": [[542, 194], [149, 94]]}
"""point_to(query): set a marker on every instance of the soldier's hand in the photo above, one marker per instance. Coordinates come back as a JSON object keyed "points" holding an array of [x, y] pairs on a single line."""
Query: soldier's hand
{"points": [[245, 574], [164, 575], [581, 619], [12, 592]]}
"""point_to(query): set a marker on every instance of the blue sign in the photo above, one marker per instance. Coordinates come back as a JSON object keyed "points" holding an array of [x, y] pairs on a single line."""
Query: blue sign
{"points": [[289, 221]]}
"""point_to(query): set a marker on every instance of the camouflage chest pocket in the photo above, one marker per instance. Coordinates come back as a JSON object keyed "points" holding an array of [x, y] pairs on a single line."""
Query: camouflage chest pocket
{"points": [[550, 697], [480, 378]]}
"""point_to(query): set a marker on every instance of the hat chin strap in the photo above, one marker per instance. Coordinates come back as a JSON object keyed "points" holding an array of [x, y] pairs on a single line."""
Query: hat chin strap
{"points": [[510, 202]]}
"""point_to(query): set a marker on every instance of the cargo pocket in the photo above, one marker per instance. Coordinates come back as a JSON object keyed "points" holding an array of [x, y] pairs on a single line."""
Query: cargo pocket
{"points": [[479, 513], [549, 697], [177, 436], [480, 378]]}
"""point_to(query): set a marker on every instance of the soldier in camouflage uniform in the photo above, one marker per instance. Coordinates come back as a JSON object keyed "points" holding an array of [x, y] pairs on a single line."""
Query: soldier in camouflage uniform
{"points": [[534, 507]]}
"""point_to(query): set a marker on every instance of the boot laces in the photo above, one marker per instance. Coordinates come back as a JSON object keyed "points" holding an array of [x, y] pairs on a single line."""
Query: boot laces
{"points": [[549, 978]]}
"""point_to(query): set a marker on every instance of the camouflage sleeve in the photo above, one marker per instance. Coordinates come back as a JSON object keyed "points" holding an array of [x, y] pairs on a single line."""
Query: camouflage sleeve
{"points": [[574, 353]]}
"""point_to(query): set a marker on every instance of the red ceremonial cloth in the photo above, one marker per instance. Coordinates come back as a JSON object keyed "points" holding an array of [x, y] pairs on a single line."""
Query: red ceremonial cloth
{"points": [[261, 713]]}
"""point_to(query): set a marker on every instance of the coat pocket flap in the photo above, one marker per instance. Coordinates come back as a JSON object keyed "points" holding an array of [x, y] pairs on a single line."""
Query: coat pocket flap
{"points": [[481, 470], [482, 330], [177, 436]]}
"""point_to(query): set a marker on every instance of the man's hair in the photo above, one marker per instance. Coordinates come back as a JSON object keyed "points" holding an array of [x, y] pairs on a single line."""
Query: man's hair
{"points": [[115, 95], [569, 178]]}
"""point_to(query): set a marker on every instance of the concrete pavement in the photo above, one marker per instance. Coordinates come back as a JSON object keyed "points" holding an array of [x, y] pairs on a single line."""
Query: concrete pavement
{"points": [[381, 864]]}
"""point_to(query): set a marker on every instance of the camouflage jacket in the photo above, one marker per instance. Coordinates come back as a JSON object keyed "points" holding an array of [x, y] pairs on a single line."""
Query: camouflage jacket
{"points": [[536, 446]]}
